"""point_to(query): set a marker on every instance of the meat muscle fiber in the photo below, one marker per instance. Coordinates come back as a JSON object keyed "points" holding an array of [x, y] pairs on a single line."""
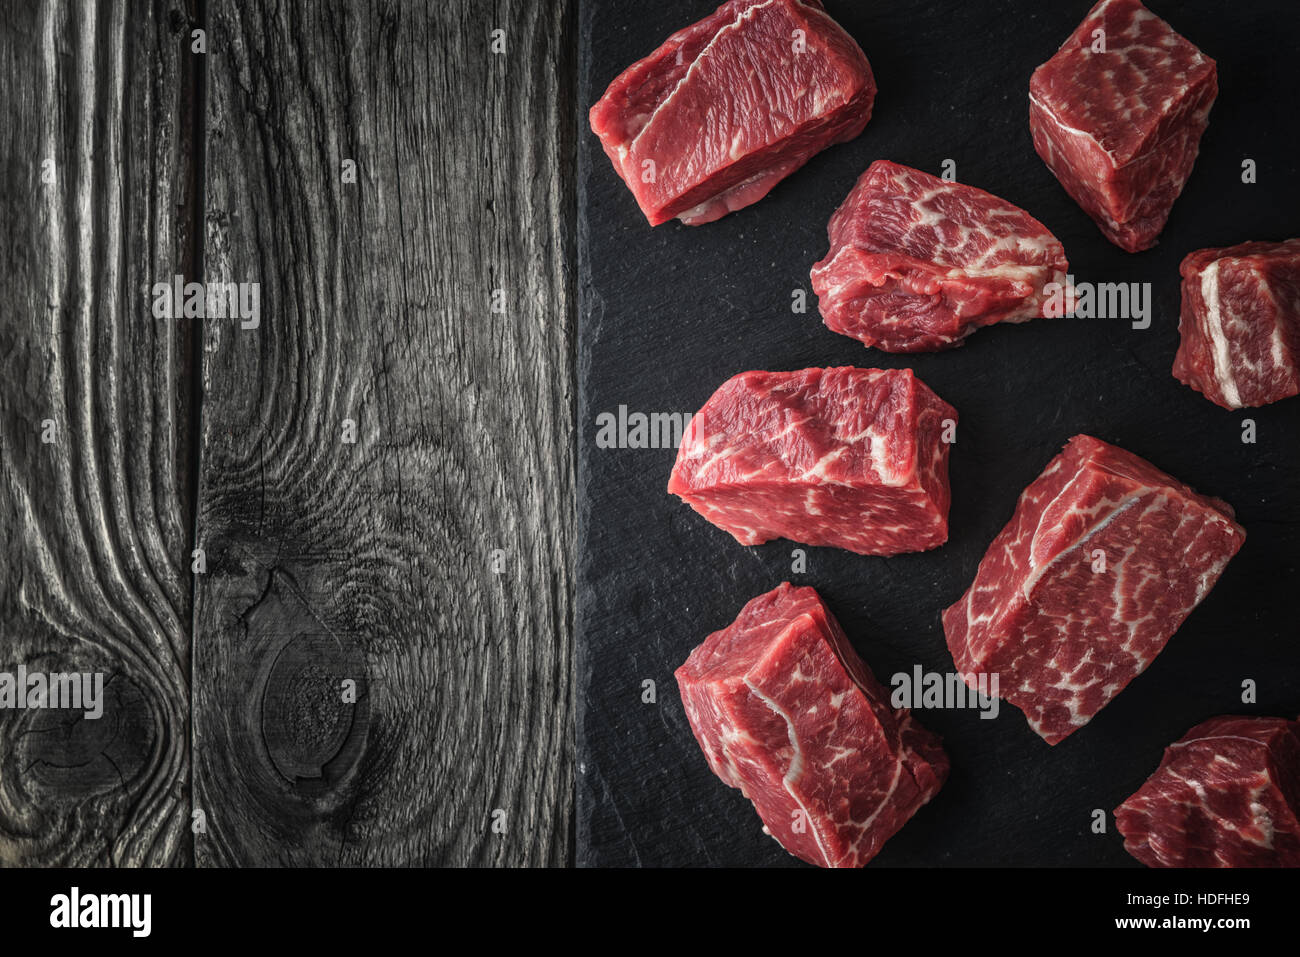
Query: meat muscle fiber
{"points": [[1117, 114], [1240, 323], [728, 107], [849, 458], [786, 711], [918, 263], [1102, 561], [1227, 794]]}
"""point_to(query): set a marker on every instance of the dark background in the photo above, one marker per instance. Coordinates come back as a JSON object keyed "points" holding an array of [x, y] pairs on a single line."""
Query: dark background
{"points": [[668, 314]]}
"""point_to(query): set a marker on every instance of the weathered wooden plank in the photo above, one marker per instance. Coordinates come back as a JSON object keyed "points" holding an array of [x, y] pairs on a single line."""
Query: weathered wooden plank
{"points": [[95, 508], [425, 555]]}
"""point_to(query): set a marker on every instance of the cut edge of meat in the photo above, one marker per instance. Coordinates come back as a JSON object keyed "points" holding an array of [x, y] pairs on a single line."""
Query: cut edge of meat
{"points": [[919, 443], [844, 114], [1138, 819], [1152, 136], [851, 275], [715, 672], [1206, 360], [1082, 459], [1077, 157]]}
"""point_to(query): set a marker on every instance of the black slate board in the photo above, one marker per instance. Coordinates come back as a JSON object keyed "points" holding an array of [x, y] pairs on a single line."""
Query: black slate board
{"points": [[668, 314]]}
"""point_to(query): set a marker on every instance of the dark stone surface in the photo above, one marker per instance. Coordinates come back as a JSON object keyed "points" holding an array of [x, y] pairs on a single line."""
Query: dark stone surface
{"points": [[668, 314]]}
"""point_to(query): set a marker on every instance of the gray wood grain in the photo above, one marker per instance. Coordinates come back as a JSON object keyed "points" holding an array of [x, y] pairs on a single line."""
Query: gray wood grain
{"points": [[94, 525], [429, 560]]}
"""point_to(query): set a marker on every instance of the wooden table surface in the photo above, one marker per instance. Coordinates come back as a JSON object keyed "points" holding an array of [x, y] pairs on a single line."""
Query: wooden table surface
{"points": [[324, 563]]}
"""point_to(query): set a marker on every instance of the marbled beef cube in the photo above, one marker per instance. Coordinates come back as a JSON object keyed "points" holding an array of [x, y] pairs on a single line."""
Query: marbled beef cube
{"points": [[1227, 794], [786, 711], [1102, 561], [1117, 114], [850, 458], [728, 107], [1240, 323]]}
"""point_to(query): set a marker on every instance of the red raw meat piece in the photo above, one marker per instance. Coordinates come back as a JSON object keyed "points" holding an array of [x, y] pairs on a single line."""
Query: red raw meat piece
{"points": [[786, 711], [1121, 129], [1066, 629], [1240, 323], [918, 264], [850, 458], [728, 107], [1227, 794]]}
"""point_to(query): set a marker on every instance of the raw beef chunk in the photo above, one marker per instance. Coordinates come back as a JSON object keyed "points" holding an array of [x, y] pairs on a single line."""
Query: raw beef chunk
{"points": [[786, 711], [1118, 116], [917, 263], [850, 458], [730, 106], [1101, 562], [1240, 323], [1226, 795]]}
